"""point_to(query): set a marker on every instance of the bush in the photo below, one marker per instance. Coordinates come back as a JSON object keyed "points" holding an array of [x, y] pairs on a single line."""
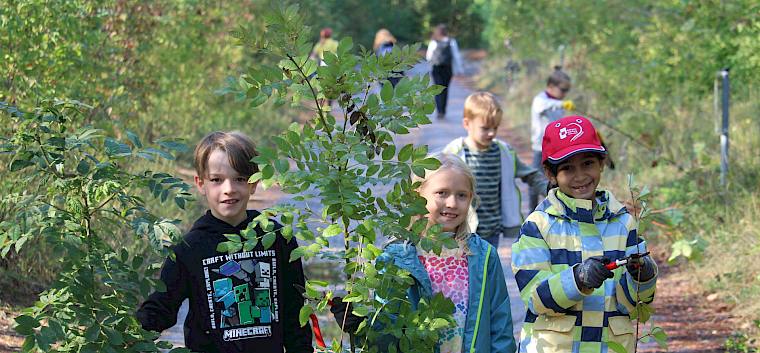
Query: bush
{"points": [[78, 199]]}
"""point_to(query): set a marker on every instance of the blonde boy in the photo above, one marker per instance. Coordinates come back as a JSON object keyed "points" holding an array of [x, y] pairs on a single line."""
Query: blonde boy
{"points": [[495, 166]]}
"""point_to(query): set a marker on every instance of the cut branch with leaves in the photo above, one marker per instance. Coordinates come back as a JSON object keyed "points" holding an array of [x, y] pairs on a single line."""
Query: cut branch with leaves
{"points": [[643, 311], [342, 164]]}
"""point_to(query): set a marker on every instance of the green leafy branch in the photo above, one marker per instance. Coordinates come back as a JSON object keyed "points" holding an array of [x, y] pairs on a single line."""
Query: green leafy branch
{"points": [[643, 311], [341, 164]]}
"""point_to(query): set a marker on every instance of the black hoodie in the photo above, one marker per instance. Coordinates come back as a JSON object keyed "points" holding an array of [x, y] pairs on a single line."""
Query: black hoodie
{"points": [[240, 302]]}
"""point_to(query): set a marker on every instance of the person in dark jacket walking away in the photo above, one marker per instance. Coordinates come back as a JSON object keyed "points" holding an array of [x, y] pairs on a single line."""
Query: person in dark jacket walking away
{"points": [[445, 61], [240, 302]]}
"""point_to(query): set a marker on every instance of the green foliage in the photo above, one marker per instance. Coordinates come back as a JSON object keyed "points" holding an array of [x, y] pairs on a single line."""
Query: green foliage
{"points": [[739, 342], [616, 347], [147, 69], [151, 67], [643, 68], [79, 194], [341, 161], [52, 32], [691, 250]]}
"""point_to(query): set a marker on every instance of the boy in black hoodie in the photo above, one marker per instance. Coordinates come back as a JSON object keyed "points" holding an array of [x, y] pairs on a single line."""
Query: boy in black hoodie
{"points": [[240, 302]]}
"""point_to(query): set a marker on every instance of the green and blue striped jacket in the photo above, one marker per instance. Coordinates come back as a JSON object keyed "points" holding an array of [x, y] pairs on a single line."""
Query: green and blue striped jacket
{"points": [[559, 234]]}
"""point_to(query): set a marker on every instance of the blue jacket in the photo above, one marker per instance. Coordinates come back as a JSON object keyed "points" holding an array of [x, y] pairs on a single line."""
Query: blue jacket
{"points": [[489, 320]]}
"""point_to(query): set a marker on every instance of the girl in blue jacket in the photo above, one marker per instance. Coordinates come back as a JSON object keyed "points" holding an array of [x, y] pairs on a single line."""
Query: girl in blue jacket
{"points": [[470, 275]]}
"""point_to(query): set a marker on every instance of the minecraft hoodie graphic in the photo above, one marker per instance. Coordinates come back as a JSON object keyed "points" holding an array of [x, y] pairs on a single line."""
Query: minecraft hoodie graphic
{"points": [[240, 302], [243, 293]]}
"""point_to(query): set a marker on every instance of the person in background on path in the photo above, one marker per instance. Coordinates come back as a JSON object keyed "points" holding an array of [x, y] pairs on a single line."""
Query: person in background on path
{"points": [[445, 61], [574, 303], [325, 44], [495, 166], [484, 324], [384, 42], [548, 106], [246, 302]]}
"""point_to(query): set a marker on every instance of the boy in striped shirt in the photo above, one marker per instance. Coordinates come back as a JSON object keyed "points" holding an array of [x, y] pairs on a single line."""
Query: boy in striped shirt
{"points": [[495, 166]]}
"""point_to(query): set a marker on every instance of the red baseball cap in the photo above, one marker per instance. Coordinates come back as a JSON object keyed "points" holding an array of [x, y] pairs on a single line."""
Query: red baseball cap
{"points": [[568, 136]]}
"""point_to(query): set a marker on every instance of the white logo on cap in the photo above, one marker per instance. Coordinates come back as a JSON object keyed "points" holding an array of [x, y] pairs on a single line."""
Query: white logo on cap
{"points": [[572, 129]]}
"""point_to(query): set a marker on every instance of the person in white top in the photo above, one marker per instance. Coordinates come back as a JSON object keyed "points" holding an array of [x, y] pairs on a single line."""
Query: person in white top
{"points": [[548, 106], [445, 61]]}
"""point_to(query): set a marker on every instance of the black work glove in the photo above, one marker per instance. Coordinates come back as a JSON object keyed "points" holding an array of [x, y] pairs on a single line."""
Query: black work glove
{"points": [[339, 310], [643, 269], [591, 273]]}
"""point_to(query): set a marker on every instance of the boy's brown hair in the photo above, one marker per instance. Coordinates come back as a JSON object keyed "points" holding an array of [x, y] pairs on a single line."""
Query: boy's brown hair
{"points": [[483, 105], [558, 77], [239, 148]]}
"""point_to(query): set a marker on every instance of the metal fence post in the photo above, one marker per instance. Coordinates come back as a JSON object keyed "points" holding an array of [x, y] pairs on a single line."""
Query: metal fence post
{"points": [[724, 130]]}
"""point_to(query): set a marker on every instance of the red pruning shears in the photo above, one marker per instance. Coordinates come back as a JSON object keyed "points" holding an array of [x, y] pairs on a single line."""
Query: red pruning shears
{"points": [[314, 321], [317, 331], [634, 259]]}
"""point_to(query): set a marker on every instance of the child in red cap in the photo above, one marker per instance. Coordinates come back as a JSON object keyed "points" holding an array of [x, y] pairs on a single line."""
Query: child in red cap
{"points": [[574, 303]]}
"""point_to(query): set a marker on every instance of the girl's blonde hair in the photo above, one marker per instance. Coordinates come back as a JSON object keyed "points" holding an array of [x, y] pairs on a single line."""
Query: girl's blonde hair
{"points": [[451, 162], [383, 36]]}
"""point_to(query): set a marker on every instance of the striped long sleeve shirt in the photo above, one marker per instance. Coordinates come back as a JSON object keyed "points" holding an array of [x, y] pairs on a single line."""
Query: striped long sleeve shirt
{"points": [[561, 233]]}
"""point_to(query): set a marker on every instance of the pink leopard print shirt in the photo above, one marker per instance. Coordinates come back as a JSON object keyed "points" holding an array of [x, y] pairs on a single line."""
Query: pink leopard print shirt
{"points": [[449, 275]]}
